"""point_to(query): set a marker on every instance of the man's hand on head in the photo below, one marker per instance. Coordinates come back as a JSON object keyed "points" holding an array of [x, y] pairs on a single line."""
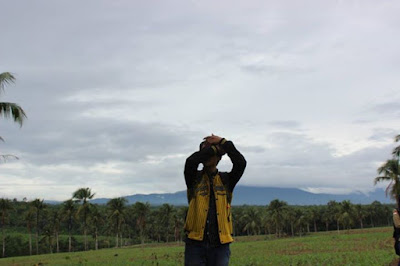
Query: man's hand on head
{"points": [[213, 139]]}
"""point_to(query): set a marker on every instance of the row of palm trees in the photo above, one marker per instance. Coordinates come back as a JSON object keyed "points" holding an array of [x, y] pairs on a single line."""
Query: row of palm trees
{"points": [[280, 219], [56, 228], [78, 216]]}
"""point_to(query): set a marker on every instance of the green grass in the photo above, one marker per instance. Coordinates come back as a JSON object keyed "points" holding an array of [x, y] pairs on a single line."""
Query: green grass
{"points": [[356, 247]]}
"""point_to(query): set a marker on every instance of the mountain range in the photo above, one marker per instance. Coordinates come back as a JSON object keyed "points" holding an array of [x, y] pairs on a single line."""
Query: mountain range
{"points": [[262, 196]]}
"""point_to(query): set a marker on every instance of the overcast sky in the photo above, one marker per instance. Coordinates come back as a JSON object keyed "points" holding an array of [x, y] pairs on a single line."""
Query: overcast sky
{"points": [[119, 93]]}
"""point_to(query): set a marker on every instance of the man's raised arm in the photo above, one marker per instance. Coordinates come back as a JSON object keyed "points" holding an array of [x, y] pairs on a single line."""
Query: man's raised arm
{"points": [[238, 161], [193, 161]]}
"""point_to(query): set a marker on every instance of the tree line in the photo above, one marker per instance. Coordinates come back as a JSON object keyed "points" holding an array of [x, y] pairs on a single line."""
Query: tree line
{"points": [[35, 227]]}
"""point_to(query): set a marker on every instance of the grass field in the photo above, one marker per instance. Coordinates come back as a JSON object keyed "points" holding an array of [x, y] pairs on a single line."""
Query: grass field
{"points": [[354, 247]]}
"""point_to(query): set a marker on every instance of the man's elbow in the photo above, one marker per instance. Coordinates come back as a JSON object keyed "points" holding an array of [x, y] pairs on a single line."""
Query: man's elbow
{"points": [[189, 162], [243, 163]]}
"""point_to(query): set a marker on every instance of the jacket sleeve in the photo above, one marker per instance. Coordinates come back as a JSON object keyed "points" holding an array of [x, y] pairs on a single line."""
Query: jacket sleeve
{"points": [[193, 161], [238, 161]]}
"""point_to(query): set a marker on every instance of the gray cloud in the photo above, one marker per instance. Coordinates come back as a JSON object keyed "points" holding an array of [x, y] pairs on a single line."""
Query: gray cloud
{"points": [[119, 93], [285, 124]]}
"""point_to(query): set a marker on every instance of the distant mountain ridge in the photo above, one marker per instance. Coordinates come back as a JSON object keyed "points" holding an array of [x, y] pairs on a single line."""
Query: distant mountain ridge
{"points": [[261, 196]]}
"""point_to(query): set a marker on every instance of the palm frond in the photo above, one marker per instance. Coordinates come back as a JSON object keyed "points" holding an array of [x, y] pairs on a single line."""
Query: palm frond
{"points": [[396, 151], [13, 110], [6, 78], [6, 157], [381, 178]]}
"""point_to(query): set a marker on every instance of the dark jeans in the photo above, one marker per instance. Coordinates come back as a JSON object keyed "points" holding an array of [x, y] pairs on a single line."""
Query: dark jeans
{"points": [[202, 254]]}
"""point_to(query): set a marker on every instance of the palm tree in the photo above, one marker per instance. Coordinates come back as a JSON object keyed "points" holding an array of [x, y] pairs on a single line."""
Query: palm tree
{"points": [[252, 221], [5, 207], [315, 214], [360, 214], [277, 209], [166, 212], [83, 195], [291, 216], [30, 219], [141, 210], [55, 226], [346, 216], [96, 220], [117, 208], [10, 109], [38, 206], [69, 211], [334, 211], [390, 171]]}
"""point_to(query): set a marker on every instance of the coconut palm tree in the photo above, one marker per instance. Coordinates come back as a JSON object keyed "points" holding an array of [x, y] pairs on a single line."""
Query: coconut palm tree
{"points": [[38, 206], [95, 220], [252, 221], [141, 210], [30, 220], [68, 211], [346, 216], [315, 214], [277, 208], [5, 207], [83, 195], [116, 209], [360, 213], [166, 212], [390, 171], [55, 220]]}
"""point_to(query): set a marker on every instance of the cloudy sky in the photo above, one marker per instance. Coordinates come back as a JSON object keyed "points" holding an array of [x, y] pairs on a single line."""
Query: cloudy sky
{"points": [[119, 93]]}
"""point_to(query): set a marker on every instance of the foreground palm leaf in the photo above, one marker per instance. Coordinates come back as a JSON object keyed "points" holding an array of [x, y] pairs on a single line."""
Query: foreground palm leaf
{"points": [[5, 157], [12, 110], [6, 78]]}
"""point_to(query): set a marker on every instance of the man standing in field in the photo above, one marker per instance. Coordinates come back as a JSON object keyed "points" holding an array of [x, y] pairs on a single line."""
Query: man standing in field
{"points": [[208, 223], [396, 232]]}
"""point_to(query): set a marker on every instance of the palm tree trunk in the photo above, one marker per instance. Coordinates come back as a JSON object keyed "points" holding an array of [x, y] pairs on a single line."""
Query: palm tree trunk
{"points": [[291, 228], [116, 240], [361, 223], [315, 225], [58, 243], [37, 232], [96, 240], [85, 233], [30, 240], [327, 225], [337, 224], [37, 242], [120, 237], [69, 242], [4, 238]]}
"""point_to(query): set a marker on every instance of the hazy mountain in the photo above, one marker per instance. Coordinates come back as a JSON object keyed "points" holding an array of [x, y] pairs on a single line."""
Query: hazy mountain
{"points": [[261, 196]]}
